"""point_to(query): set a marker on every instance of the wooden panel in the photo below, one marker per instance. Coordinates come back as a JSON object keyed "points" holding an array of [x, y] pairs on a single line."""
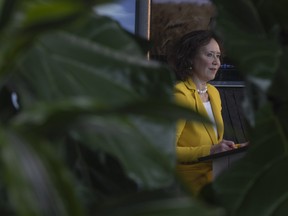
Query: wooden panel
{"points": [[232, 113]]}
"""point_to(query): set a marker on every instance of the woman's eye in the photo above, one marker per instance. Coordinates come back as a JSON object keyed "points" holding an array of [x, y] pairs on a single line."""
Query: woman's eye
{"points": [[214, 55]]}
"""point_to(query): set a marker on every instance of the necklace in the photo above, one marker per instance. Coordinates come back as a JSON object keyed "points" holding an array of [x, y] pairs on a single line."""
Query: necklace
{"points": [[202, 91]]}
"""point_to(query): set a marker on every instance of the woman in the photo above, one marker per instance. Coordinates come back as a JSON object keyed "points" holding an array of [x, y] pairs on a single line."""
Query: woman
{"points": [[196, 60]]}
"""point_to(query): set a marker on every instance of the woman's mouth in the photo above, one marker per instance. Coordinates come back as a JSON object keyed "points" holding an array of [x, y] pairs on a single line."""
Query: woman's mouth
{"points": [[213, 69]]}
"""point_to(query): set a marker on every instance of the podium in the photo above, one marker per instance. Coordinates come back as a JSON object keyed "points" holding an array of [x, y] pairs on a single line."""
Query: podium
{"points": [[224, 160]]}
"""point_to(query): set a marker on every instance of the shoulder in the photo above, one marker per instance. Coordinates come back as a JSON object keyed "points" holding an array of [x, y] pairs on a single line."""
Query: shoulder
{"points": [[184, 86], [179, 85], [182, 94], [181, 88], [212, 89], [214, 94]]}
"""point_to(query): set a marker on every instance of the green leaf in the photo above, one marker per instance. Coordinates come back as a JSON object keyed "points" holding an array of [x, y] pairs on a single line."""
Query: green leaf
{"points": [[273, 13], [88, 62], [275, 94], [160, 203], [86, 85], [257, 182], [6, 11], [75, 65], [113, 130], [30, 185], [242, 13], [39, 14], [255, 51]]}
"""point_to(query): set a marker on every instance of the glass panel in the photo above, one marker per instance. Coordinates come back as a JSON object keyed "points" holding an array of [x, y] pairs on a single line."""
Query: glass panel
{"points": [[122, 11]]}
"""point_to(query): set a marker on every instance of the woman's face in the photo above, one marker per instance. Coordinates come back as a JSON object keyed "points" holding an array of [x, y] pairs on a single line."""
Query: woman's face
{"points": [[207, 62]]}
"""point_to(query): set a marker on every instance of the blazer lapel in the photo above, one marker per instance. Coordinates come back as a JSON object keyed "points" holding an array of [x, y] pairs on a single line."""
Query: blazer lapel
{"points": [[216, 108], [209, 127], [201, 109]]}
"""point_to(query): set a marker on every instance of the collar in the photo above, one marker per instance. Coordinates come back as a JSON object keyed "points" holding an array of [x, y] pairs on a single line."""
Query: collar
{"points": [[189, 83]]}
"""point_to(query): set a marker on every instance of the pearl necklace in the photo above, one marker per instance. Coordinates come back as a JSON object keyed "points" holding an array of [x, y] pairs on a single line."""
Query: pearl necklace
{"points": [[202, 91]]}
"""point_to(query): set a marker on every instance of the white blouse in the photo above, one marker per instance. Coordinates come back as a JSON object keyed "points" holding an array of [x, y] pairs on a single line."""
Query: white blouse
{"points": [[208, 108]]}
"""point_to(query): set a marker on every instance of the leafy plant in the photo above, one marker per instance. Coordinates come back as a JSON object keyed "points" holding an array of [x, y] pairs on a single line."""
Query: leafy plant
{"points": [[95, 129], [256, 38]]}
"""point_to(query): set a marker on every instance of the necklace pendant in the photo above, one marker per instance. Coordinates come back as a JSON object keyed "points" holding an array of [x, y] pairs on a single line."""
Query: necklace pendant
{"points": [[202, 91]]}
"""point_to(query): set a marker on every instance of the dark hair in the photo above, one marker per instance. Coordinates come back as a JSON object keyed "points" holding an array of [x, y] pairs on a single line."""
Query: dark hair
{"points": [[185, 50]]}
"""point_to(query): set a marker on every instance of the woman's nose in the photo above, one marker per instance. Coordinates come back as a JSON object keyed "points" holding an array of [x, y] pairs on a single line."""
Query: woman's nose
{"points": [[216, 61]]}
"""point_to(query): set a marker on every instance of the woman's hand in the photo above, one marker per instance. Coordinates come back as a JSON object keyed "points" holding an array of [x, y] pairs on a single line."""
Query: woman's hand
{"points": [[224, 145]]}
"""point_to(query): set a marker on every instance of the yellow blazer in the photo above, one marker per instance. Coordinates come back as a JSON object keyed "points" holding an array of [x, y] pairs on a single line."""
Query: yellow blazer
{"points": [[194, 139]]}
